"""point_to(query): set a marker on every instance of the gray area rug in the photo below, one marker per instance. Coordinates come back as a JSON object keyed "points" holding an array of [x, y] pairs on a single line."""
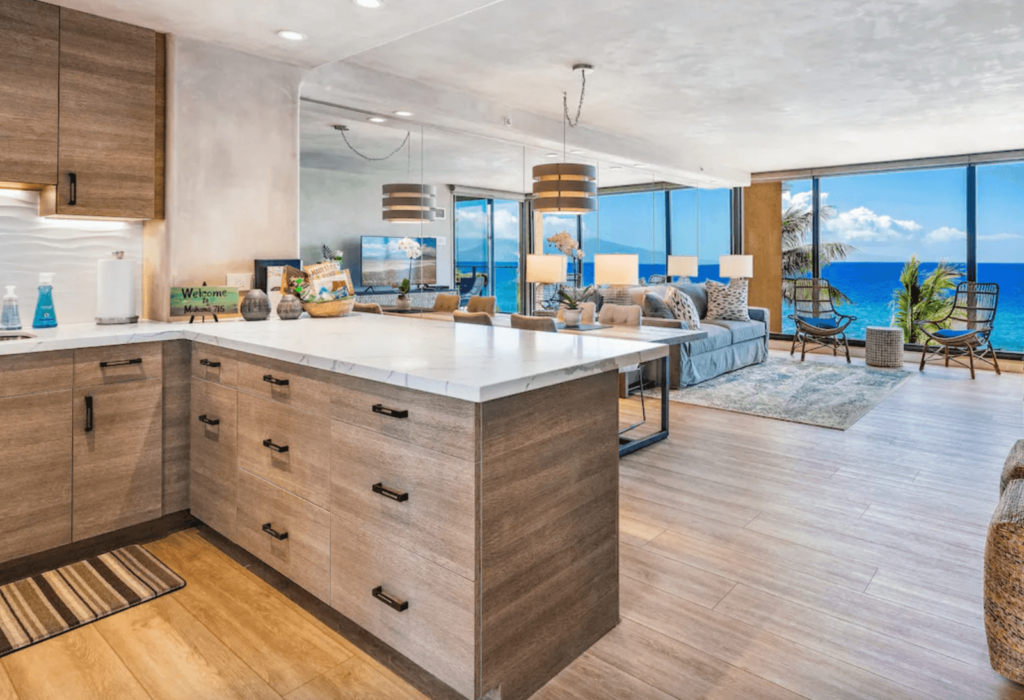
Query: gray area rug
{"points": [[830, 396]]}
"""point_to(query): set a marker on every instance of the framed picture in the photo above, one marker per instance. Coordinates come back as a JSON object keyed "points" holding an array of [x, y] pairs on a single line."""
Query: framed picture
{"points": [[261, 267]]}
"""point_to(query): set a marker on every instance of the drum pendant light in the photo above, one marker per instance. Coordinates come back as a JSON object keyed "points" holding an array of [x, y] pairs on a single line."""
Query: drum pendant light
{"points": [[569, 188], [410, 203]]}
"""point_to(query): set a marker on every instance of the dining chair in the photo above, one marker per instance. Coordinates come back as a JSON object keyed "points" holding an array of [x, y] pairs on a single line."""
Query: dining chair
{"points": [[484, 305], [446, 302], [477, 318], [368, 308], [615, 315], [534, 323]]}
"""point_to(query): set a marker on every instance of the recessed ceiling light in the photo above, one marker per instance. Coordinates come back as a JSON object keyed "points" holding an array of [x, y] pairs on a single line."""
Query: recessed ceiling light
{"points": [[639, 165], [550, 155], [575, 151], [291, 35], [615, 167], [373, 4], [403, 113], [377, 120]]}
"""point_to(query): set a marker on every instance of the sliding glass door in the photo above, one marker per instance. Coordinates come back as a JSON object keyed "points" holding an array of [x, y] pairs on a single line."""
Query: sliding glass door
{"points": [[487, 243]]}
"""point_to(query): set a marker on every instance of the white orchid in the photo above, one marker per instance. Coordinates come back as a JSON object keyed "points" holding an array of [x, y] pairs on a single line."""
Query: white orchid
{"points": [[566, 245], [413, 249]]}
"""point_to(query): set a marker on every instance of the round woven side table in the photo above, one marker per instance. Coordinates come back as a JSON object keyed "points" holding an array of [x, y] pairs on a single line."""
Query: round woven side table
{"points": [[884, 347]]}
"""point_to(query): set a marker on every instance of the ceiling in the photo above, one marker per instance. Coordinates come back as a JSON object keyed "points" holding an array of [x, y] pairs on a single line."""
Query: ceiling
{"points": [[715, 88]]}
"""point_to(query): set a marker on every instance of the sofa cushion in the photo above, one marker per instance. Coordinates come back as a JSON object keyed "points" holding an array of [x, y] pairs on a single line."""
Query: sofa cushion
{"points": [[727, 302], [741, 330], [698, 293], [654, 307], [620, 315], [683, 308], [718, 337], [823, 323]]}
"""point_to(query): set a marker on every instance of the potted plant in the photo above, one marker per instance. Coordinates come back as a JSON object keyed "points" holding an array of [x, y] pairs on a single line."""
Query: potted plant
{"points": [[571, 311], [413, 251], [404, 302]]}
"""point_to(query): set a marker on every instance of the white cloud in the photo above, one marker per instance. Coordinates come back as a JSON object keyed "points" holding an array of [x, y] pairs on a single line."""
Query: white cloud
{"points": [[999, 237], [946, 234], [862, 224], [800, 200]]}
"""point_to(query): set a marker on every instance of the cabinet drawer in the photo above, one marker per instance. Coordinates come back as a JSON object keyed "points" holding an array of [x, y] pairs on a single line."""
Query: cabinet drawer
{"points": [[35, 473], [118, 363], [436, 630], [286, 532], [285, 383], [435, 422], [34, 373], [214, 455], [214, 364], [424, 500], [285, 446], [118, 463]]}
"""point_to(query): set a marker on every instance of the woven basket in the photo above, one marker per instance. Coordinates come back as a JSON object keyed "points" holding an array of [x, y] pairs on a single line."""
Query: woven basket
{"points": [[329, 309]]}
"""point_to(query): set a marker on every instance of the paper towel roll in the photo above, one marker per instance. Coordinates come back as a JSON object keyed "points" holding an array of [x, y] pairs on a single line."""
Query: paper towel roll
{"points": [[115, 291]]}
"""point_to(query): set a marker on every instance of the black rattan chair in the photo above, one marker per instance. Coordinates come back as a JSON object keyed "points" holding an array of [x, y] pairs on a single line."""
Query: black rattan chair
{"points": [[966, 331], [817, 321]]}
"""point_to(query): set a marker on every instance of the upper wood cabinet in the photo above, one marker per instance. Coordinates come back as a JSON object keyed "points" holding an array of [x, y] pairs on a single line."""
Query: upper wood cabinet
{"points": [[29, 32], [107, 149]]}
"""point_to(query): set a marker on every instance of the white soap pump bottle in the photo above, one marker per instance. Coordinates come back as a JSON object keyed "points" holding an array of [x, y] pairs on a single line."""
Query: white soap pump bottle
{"points": [[10, 318]]}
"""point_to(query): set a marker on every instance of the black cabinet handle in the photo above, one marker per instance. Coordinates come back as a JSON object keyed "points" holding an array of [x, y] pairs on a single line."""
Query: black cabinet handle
{"points": [[400, 496], [392, 412], [121, 363], [276, 448], [209, 421], [88, 414], [207, 363], [271, 379], [268, 528], [399, 605], [72, 189]]}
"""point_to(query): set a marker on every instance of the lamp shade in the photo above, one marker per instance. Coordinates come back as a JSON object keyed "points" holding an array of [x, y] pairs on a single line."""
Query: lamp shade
{"points": [[736, 266], [616, 269], [682, 266], [545, 269], [409, 203], [565, 187]]}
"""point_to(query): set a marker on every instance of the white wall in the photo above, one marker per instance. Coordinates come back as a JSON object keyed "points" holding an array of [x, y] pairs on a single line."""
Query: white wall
{"points": [[232, 168], [338, 208], [30, 244]]}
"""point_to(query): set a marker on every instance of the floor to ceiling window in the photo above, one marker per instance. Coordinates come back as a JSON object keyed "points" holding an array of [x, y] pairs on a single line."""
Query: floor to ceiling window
{"points": [[487, 243], [797, 241], [1000, 247], [634, 223], [702, 226]]}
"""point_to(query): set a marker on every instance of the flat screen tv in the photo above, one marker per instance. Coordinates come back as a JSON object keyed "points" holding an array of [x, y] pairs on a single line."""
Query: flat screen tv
{"points": [[384, 264]]}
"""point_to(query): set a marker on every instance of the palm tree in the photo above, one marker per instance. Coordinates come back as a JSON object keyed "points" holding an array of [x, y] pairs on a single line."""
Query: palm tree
{"points": [[798, 254], [923, 301]]}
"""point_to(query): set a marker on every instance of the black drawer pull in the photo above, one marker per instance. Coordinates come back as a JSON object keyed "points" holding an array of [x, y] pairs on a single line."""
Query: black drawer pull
{"points": [[268, 528], [88, 414], [72, 189], [399, 605], [268, 443], [209, 421], [207, 363], [393, 413], [121, 363], [271, 379], [399, 496]]}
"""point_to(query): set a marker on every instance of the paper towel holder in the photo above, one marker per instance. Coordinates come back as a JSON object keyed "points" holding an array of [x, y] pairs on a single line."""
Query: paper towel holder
{"points": [[129, 292]]}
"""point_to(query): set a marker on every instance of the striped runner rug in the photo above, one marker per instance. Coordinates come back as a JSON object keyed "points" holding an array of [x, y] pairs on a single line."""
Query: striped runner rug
{"points": [[40, 607]]}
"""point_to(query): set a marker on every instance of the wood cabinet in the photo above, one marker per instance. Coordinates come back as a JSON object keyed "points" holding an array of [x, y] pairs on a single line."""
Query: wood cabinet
{"points": [[107, 146], [214, 446], [29, 36]]}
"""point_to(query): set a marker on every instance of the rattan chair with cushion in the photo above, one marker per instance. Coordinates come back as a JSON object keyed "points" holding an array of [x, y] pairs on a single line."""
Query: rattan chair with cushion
{"points": [[477, 318], [1004, 584], [446, 302], [367, 308], [484, 305], [966, 331], [817, 321], [534, 323]]}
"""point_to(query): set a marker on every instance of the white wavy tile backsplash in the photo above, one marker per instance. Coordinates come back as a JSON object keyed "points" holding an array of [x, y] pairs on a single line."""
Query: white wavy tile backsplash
{"points": [[30, 244]]}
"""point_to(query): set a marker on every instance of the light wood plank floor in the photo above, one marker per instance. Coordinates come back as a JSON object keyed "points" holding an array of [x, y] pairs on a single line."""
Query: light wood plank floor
{"points": [[759, 559]]}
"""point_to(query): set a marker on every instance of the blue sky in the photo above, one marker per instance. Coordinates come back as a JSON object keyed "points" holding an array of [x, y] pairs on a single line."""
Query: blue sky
{"points": [[891, 216]]}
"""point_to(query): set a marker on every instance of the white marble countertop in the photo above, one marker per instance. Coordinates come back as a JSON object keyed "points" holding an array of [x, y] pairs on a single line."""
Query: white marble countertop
{"points": [[473, 363]]}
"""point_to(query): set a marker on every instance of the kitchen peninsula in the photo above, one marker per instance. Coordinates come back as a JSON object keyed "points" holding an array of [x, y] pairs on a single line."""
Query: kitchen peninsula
{"points": [[451, 489]]}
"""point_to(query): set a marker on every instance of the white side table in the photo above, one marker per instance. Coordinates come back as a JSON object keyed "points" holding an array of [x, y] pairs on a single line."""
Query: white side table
{"points": [[884, 347]]}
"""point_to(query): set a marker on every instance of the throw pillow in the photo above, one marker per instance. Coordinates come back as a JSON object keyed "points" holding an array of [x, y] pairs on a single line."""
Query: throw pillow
{"points": [[698, 293], [619, 296], [728, 302], [683, 308], [655, 307]]}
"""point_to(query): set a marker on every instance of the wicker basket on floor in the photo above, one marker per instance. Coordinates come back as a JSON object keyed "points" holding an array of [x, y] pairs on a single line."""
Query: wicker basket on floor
{"points": [[329, 309], [1014, 467], [1004, 584]]}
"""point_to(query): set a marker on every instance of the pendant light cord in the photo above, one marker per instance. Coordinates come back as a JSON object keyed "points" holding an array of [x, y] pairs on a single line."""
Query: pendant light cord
{"points": [[343, 129], [579, 109]]}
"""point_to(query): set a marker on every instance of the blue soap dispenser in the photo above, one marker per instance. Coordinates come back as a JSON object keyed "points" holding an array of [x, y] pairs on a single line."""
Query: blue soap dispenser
{"points": [[45, 317]]}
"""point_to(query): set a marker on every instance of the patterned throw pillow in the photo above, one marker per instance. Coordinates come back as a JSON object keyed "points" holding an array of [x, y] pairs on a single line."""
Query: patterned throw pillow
{"points": [[728, 302], [617, 295], [683, 308], [655, 307]]}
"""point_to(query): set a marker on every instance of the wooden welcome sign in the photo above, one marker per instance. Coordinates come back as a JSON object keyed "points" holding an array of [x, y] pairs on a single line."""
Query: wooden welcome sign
{"points": [[203, 301]]}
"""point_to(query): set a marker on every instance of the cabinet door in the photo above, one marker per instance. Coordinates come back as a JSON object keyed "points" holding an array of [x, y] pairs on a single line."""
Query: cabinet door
{"points": [[107, 119], [35, 473], [118, 474], [29, 33]]}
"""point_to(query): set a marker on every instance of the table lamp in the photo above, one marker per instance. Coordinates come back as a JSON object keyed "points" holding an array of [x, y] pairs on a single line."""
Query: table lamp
{"points": [[736, 266], [682, 266], [617, 270], [545, 269]]}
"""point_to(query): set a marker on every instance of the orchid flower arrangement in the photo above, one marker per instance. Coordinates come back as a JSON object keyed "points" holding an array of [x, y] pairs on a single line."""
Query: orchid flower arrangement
{"points": [[566, 245], [414, 251]]}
